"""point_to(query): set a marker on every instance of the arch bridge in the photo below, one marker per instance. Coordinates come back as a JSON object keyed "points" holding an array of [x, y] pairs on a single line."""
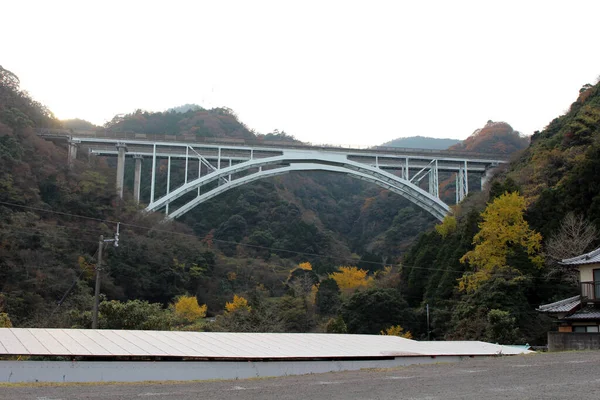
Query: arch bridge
{"points": [[213, 167]]}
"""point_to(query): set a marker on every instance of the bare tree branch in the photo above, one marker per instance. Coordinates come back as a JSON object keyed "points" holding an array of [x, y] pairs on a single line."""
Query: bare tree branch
{"points": [[574, 238]]}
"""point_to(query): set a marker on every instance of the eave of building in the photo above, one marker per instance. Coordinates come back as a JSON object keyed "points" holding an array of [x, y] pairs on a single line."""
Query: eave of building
{"points": [[561, 306], [589, 258], [588, 313]]}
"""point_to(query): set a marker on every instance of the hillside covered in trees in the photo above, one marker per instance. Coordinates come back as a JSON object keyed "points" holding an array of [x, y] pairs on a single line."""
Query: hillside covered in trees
{"points": [[494, 137], [297, 253], [541, 209]]}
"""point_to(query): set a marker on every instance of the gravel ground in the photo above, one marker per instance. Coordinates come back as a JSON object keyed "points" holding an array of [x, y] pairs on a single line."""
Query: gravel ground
{"points": [[541, 376]]}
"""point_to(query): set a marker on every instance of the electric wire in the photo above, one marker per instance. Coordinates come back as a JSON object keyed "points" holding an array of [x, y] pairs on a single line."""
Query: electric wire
{"points": [[154, 229]]}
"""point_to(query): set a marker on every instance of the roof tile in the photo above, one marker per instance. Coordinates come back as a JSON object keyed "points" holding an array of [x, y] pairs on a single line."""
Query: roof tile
{"points": [[587, 258], [561, 306]]}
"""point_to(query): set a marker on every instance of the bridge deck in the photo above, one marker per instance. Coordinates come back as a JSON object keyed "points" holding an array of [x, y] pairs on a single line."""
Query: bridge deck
{"points": [[142, 138]]}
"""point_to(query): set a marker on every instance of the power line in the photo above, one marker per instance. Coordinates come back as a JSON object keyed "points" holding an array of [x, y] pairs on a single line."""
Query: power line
{"points": [[56, 212], [35, 232], [352, 260], [228, 241]]}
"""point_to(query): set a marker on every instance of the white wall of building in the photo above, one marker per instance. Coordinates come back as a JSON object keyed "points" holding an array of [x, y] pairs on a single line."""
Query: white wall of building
{"points": [[131, 371]]}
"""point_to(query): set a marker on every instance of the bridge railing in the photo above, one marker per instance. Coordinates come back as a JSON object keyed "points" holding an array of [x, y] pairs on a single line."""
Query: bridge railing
{"points": [[190, 138]]}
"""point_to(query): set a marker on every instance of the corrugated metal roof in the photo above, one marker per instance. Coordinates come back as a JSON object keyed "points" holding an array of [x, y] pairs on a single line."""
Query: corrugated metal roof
{"points": [[210, 345], [586, 313], [588, 258], [561, 306]]}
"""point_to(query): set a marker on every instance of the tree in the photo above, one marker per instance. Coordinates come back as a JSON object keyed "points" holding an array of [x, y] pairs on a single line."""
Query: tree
{"points": [[501, 328], [295, 313], [396, 330], [305, 266], [304, 277], [5, 321], [502, 233], [370, 262], [8, 79], [256, 315], [574, 238], [336, 325], [132, 314], [188, 309], [374, 310], [350, 279], [238, 303], [447, 226], [328, 297], [297, 307]]}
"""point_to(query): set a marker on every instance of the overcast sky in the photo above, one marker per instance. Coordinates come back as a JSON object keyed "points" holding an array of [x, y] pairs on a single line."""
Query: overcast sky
{"points": [[340, 72]]}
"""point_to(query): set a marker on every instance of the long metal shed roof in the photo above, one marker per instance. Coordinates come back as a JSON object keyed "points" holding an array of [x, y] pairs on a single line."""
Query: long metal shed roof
{"points": [[223, 346]]}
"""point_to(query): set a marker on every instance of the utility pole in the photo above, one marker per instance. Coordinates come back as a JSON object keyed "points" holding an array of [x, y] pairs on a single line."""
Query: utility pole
{"points": [[97, 290], [428, 331], [101, 242]]}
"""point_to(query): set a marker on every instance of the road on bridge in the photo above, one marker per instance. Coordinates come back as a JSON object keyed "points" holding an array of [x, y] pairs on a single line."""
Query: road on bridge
{"points": [[541, 376]]}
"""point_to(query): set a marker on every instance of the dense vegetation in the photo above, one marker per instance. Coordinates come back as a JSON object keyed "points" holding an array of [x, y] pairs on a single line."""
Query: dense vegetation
{"points": [[556, 177], [52, 217], [303, 252], [494, 137]]}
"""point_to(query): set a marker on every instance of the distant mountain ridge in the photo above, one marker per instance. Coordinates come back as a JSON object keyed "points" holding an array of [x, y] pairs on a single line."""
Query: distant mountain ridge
{"points": [[422, 142]]}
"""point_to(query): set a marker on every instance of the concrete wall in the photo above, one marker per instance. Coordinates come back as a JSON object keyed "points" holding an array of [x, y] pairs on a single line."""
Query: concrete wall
{"points": [[116, 371], [561, 341]]}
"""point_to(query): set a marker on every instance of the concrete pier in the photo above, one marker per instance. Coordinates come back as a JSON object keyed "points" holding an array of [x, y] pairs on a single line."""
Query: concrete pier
{"points": [[137, 178], [122, 149]]}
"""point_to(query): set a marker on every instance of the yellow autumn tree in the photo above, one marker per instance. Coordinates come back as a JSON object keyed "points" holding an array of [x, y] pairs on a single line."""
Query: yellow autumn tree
{"points": [[313, 294], [305, 266], [502, 230], [187, 308], [350, 279], [238, 303], [396, 330], [5, 321], [447, 226]]}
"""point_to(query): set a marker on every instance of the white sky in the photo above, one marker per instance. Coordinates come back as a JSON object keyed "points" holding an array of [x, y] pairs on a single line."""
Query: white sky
{"points": [[339, 72]]}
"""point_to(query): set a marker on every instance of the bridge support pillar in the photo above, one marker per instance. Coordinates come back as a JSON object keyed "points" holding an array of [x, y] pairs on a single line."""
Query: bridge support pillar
{"points": [[137, 178], [486, 177], [462, 182], [121, 168], [72, 153], [434, 187]]}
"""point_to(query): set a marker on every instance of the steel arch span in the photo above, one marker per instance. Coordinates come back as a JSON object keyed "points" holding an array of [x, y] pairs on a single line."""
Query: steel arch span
{"points": [[255, 169]]}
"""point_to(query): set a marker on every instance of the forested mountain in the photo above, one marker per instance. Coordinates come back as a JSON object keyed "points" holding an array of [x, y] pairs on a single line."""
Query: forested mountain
{"points": [[546, 194], [218, 122], [421, 142], [494, 137], [51, 218], [77, 123], [301, 252]]}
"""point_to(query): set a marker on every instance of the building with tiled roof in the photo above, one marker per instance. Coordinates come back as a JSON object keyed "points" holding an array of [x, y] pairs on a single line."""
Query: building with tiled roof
{"points": [[578, 317], [565, 306]]}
